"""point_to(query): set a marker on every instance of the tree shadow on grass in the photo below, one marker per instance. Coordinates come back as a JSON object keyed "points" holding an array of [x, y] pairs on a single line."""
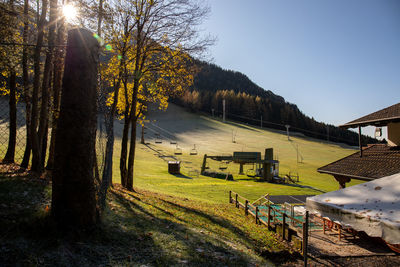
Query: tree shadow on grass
{"points": [[134, 231], [165, 238]]}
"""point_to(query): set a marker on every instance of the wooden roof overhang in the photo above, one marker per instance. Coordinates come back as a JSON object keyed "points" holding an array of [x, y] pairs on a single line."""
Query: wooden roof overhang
{"points": [[379, 118]]}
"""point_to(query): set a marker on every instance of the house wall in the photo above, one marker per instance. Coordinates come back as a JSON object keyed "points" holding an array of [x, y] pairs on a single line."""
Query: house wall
{"points": [[394, 134]]}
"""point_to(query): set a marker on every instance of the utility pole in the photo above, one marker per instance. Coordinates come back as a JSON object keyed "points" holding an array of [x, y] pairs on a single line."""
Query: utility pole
{"points": [[287, 131], [223, 110]]}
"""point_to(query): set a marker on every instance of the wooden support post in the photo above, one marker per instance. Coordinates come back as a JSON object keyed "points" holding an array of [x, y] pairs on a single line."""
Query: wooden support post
{"points": [[305, 238], [203, 166], [256, 215], [269, 216], [283, 225], [241, 168], [246, 208], [236, 201], [359, 140], [230, 197]]}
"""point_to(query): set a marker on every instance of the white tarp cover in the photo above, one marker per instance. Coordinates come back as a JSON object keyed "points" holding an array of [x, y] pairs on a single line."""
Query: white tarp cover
{"points": [[372, 207]]}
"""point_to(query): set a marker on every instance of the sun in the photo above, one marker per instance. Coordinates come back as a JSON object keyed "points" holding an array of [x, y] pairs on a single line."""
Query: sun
{"points": [[70, 13]]}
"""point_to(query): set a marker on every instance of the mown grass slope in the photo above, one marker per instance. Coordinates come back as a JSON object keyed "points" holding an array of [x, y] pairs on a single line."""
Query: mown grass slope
{"points": [[141, 228], [213, 137]]}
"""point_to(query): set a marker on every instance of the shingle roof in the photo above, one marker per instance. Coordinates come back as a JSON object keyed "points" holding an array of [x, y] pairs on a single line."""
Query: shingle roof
{"points": [[378, 118], [377, 161]]}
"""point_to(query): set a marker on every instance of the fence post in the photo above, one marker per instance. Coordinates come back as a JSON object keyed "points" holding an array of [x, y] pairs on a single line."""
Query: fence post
{"points": [[236, 201], [246, 208], [305, 238], [230, 197], [269, 216], [256, 215], [283, 225]]}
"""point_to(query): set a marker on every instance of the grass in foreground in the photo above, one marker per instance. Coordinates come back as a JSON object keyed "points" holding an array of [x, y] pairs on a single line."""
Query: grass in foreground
{"points": [[137, 228]]}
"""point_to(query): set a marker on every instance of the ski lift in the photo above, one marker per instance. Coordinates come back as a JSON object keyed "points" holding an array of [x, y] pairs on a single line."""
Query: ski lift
{"points": [[158, 139], [223, 165], [378, 132], [194, 150], [178, 150], [172, 142]]}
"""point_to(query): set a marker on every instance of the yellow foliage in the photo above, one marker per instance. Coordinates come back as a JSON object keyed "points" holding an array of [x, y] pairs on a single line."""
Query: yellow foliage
{"points": [[166, 73]]}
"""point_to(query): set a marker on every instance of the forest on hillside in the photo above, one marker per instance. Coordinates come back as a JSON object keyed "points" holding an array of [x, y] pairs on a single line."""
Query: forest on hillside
{"points": [[247, 102]]}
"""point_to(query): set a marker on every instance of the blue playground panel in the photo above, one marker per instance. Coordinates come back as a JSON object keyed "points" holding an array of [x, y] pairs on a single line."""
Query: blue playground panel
{"points": [[279, 217]]}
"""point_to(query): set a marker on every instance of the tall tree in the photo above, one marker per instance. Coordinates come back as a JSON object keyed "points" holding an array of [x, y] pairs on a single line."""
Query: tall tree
{"points": [[36, 147], [25, 81], [159, 34], [9, 67]]}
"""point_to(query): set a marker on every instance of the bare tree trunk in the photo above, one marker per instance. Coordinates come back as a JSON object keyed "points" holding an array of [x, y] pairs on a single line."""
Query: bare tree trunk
{"points": [[36, 155], [10, 155], [133, 117], [44, 111], [25, 80], [124, 151], [58, 65], [131, 160], [73, 190], [107, 172]]}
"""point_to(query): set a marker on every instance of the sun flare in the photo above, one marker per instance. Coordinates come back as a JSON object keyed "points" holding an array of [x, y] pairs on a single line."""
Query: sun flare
{"points": [[70, 13]]}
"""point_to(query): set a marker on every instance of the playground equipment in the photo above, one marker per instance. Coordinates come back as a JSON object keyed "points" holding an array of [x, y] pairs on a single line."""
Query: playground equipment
{"points": [[194, 150], [242, 158]]}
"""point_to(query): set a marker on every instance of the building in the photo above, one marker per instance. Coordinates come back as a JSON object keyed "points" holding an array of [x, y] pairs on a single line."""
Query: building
{"points": [[372, 161]]}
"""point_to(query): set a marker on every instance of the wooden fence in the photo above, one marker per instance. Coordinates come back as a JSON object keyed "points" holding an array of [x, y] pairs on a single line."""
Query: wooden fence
{"points": [[287, 226]]}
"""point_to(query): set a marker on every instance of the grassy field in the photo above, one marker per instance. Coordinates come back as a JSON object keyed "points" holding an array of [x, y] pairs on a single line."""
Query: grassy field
{"points": [[138, 229], [301, 155], [213, 137]]}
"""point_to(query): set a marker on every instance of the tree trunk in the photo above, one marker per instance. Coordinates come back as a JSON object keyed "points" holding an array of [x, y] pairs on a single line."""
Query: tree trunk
{"points": [[10, 155], [36, 150], [25, 81], [106, 180], [131, 160], [73, 190], [133, 117], [58, 65], [44, 111], [107, 171], [124, 151]]}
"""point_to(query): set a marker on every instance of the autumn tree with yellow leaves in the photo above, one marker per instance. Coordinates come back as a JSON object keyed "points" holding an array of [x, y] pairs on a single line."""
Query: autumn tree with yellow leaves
{"points": [[152, 43]]}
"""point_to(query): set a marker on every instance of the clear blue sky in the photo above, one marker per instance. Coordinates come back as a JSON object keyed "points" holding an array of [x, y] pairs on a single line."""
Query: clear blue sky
{"points": [[336, 59]]}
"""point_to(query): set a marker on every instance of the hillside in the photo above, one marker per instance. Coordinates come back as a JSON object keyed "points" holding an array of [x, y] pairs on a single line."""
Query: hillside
{"points": [[247, 102], [213, 137]]}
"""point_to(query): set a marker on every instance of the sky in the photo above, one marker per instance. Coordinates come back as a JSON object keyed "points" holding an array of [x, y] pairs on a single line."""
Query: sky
{"points": [[337, 60]]}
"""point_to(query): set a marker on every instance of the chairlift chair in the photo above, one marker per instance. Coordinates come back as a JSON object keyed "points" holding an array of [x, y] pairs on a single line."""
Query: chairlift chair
{"points": [[207, 167], [158, 141], [172, 142], [252, 171], [178, 150], [194, 150], [223, 165]]}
